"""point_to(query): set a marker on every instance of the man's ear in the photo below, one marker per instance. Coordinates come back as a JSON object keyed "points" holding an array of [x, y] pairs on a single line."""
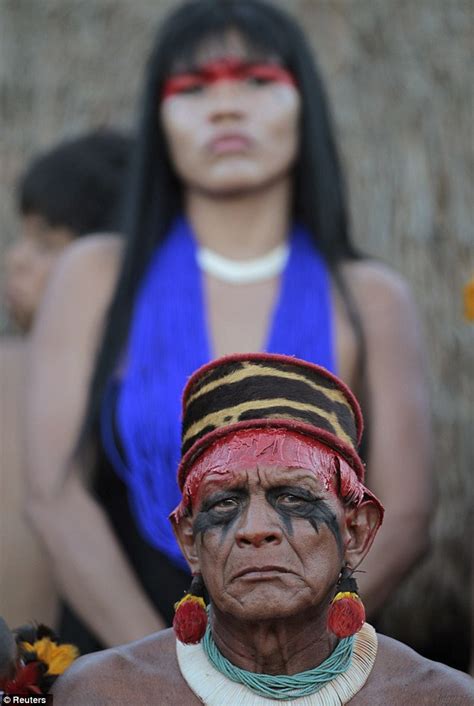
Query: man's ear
{"points": [[361, 525], [183, 530]]}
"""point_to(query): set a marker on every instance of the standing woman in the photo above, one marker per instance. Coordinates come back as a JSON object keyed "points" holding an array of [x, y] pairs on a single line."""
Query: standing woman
{"points": [[237, 240]]}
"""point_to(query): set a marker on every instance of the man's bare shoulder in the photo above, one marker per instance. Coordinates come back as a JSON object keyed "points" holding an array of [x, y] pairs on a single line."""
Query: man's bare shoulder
{"points": [[143, 672], [146, 672], [405, 678]]}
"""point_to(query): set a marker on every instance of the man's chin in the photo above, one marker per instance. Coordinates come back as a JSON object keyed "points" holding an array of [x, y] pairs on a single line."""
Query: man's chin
{"points": [[266, 601], [268, 610]]}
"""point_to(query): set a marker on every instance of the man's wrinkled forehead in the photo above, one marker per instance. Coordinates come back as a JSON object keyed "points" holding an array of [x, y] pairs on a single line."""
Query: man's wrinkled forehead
{"points": [[259, 476], [248, 455]]}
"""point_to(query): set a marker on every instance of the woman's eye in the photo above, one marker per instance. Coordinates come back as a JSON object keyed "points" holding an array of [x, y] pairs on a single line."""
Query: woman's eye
{"points": [[191, 89], [183, 84], [258, 80]]}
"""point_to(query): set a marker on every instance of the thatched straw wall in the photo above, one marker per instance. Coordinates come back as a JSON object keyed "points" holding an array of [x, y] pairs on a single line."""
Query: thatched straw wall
{"points": [[398, 75]]}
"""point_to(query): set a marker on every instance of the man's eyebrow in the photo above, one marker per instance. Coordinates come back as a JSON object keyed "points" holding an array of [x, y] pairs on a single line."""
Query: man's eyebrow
{"points": [[222, 482], [292, 478], [296, 490]]}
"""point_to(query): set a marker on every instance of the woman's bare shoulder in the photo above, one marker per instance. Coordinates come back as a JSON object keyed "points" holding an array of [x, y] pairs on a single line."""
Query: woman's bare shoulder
{"points": [[94, 257], [369, 278], [80, 288], [384, 300], [410, 678]]}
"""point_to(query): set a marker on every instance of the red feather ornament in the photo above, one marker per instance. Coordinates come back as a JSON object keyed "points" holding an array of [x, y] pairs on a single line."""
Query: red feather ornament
{"points": [[190, 619], [346, 613], [25, 681]]}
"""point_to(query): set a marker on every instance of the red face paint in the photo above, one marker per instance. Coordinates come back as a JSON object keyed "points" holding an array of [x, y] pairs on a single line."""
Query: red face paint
{"points": [[226, 70], [244, 449]]}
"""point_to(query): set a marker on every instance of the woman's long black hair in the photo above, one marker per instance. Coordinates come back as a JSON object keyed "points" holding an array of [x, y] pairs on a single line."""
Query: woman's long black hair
{"points": [[154, 195]]}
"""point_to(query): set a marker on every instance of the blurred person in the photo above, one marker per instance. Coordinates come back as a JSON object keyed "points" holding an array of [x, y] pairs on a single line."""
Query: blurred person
{"points": [[237, 240], [274, 519], [67, 192]]}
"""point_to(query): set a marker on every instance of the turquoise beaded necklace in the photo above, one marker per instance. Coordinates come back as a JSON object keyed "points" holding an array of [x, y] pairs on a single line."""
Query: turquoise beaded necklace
{"points": [[283, 686]]}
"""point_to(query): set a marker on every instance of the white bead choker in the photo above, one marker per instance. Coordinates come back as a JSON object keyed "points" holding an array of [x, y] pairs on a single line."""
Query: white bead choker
{"points": [[243, 271]]}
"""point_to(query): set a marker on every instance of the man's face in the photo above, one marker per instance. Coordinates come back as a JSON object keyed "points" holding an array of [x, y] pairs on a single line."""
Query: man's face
{"points": [[29, 262], [270, 541]]}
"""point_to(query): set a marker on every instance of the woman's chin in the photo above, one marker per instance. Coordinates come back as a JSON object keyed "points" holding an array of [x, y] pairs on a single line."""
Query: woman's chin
{"points": [[232, 184]]}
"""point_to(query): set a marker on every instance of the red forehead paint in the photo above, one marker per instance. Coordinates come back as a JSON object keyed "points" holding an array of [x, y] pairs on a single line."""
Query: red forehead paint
{"points": [[225, 70], [247, 448]]}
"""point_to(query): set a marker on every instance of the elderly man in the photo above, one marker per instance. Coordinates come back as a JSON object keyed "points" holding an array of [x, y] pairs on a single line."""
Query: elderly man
{"points": [[274, 519]]}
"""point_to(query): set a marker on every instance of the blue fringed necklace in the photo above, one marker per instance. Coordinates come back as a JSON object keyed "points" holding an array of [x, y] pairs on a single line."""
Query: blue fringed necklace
{"points": [[169, 340]]}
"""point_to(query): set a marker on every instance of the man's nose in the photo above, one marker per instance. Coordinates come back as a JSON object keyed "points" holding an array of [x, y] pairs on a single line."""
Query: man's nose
{"points": [[259, 525], [226, 101]]}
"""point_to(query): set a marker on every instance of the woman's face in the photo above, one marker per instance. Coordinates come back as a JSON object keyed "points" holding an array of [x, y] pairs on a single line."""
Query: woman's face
{"points": [[231, 123]]}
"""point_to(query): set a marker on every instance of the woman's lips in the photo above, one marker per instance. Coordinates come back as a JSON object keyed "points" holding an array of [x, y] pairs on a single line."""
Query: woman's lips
{"points": [[230, 144]]}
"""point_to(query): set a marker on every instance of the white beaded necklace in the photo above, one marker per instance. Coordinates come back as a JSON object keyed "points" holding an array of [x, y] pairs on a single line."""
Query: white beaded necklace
{"points": [[215, 689], [243, 271]]}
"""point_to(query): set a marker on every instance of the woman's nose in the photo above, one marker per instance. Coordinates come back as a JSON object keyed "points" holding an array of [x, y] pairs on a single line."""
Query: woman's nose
{"points": [[259, 525], [226, 101]]}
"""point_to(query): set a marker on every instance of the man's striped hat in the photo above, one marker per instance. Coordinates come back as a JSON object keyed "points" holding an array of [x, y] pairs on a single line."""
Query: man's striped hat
{"points": [[269, 391]]}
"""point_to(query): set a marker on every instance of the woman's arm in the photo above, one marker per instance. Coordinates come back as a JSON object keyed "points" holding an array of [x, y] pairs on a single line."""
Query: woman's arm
{"points": [[22, 558], [399, 462], [90, 567]]}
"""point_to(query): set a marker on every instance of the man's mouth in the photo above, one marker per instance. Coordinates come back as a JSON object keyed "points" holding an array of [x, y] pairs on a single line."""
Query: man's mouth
{"points": [[257, 572]]}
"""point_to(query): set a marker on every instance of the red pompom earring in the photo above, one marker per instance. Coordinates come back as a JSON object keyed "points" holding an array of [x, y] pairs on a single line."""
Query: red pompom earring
{"points": [[190, 618], [346, 613]]}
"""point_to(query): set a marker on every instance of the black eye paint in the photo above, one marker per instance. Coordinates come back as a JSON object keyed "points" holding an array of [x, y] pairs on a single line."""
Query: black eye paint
{"points": [[306, 506], [211, 516]]}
